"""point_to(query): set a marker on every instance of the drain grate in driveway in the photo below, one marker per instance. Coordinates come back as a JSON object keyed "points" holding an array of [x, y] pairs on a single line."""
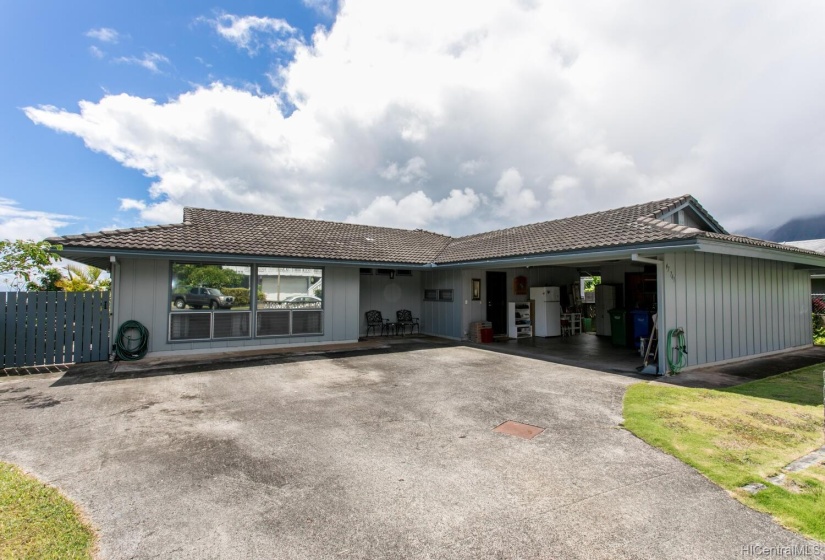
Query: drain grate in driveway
{"points": [[525, 431]]}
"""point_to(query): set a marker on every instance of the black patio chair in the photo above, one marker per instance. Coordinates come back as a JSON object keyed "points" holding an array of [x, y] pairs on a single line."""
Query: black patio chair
{"points": [[405, 319], [375, 320]]}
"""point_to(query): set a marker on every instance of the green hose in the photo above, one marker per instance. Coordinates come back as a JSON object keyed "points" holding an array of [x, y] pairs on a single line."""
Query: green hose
{"points": [[129, 346], [680, 349]]}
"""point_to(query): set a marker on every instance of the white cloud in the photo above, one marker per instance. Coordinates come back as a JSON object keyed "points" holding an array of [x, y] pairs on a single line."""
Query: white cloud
{"points": [[104, 35], [416, 210], [251, 32], [19, 223], [514, 200], [414, 171], [542, 110], [96, 52], [323, 7], [149, 60], [470, 167]]}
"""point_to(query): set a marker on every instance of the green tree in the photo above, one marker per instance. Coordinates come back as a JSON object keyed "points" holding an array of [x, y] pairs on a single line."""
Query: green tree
{"points": [[49, 282], [25, 260], [591, 283], [84, 279], [209, 276]]}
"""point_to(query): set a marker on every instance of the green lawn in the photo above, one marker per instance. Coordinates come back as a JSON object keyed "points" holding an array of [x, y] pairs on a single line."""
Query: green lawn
{"points": [[741, 435], [36, 521]]}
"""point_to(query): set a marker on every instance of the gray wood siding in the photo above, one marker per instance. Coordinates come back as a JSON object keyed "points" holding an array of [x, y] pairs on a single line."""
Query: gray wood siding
{"points": [[443, 318], [732, 307], [388, 296], [143, 295]]}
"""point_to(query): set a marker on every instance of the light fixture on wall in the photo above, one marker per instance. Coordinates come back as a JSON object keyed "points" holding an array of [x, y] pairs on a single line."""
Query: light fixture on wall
{"points": [[392, 275]]}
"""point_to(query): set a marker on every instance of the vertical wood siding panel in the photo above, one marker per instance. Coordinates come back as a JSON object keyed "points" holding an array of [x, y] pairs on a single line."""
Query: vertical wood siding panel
{"points": [[783, 306], [804, 283], [106, 327], [747, 265], [710, 310], [4, 318], [60, 326], [727, 293], [691, 317], [744, 316], [703, 272], [792, 303], [681, 319], [31, 315], [770, 319], [753, 306], [802, 308], [752, 289], [701, 315], [763, 308], [719, 319], [776, 295], [88, 321], [767, 327], [69, 335], [10, 321], [51, 329], [669, 288], [20, 328], [733, 263], [40, 328], [353, 305]]}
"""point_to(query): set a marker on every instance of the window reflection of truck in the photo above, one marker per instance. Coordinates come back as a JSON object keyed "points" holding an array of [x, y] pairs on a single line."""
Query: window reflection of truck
{"points": [[197, 298]]}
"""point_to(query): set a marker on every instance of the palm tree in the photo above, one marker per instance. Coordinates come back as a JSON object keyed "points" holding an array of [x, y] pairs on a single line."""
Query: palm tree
{"points": [[84, 279]]}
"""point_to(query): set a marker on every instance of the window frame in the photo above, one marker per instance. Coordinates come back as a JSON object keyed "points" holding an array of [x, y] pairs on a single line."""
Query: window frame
{"points": [[253, 311]]}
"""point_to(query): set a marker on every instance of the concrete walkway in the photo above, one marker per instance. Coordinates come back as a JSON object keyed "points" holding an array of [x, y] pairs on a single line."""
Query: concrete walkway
{"points": [[388, 453]]}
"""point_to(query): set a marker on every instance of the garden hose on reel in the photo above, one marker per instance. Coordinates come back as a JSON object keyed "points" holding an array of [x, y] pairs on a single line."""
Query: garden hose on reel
{"points": [[677, 363], [132, 341]]}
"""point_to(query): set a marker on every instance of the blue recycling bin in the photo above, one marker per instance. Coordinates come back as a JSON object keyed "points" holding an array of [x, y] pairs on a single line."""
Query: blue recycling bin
{"points": [[640, 319]]}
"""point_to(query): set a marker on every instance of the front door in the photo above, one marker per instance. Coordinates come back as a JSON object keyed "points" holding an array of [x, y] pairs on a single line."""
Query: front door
{"points": [[497, 301]]}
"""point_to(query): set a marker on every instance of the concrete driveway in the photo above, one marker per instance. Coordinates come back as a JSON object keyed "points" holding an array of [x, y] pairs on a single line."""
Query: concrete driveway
{"points": [[389, 454]]}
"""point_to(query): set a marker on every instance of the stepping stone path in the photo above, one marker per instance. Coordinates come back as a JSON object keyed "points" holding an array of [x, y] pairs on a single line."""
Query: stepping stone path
{"points": [[813, 458]]}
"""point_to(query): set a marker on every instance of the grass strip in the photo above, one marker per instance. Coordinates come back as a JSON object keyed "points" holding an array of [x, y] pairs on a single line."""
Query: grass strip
{"points": [[37, 521], [744, 434]]}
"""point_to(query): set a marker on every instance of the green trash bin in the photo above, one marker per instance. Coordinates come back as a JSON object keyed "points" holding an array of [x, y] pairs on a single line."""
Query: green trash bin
{"points": [[617, 327], [587, 324]]}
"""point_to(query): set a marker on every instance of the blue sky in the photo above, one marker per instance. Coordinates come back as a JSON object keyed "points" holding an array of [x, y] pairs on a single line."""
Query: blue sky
{"points": [[53, 55], [456, 117]]}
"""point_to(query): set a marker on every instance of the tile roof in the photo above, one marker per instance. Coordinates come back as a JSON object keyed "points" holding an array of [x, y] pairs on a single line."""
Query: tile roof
{"points": [[610, 228], [235, 233]]}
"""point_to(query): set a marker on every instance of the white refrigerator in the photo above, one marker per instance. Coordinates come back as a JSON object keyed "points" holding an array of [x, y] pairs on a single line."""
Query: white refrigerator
{"points": [[548, 311]]}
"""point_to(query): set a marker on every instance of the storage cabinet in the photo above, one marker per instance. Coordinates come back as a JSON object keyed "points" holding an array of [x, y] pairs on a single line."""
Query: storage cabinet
{"points": [[518, 320]]}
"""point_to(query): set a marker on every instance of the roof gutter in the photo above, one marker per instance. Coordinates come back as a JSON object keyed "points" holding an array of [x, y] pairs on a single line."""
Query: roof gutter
{"points": [[636, 258], [104, 253], [624, 252], [736, 249]]}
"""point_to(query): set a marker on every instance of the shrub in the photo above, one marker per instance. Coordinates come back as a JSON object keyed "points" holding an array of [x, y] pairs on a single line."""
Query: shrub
{"points": [[818, 324], [241, 296]]}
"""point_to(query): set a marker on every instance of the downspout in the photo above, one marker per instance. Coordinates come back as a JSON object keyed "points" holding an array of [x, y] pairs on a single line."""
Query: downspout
{"points": [[660, 305]]}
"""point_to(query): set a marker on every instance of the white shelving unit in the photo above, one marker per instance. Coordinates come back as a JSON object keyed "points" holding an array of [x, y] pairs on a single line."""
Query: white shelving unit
{"points": [[518, 319]]}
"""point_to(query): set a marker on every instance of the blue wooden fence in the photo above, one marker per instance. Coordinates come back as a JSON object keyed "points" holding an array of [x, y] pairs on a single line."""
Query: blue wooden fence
{"points": [[45, 328]]}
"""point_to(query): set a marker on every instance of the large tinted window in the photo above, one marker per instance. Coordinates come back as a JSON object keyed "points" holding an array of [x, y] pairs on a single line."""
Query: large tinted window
{"points": [[210, 286], [290, 288]]}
